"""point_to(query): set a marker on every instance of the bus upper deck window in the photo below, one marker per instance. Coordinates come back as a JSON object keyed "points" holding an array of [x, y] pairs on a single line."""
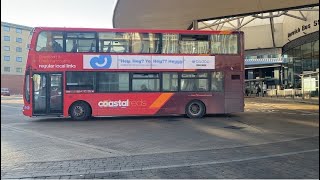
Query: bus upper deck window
{"points": [[50, 42]]}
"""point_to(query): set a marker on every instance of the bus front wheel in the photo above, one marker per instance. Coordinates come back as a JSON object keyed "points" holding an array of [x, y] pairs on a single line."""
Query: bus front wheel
{"points": [[195, 109], [80, 111]]}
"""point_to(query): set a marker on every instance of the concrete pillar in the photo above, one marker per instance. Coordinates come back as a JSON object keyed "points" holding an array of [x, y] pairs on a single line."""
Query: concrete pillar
{"points": [[277, 74]]}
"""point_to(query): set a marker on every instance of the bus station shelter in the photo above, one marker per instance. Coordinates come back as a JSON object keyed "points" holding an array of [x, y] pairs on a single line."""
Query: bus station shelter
{"points": [[185, 14], [274, 30]]}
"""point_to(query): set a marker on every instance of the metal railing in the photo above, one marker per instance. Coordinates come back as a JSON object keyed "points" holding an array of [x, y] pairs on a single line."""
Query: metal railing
{"points": [[288, 93], [284, 93]]}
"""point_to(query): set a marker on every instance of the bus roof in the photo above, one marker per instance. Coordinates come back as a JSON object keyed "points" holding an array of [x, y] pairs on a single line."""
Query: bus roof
{"points": [[134, 30]]}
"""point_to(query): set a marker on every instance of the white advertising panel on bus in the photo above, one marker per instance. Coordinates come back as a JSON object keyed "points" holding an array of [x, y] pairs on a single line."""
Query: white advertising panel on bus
{"points": [[199, 62], [132, 62], [147, 62], [167, 62]]}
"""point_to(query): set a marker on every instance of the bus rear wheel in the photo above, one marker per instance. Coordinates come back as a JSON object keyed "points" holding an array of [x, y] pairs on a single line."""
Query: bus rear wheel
{"points": [[195, 109], [80, 111]]}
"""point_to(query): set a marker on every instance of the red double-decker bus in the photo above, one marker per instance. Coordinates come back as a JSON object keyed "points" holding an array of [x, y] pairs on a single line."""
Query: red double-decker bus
{"points": [[82, 72]]}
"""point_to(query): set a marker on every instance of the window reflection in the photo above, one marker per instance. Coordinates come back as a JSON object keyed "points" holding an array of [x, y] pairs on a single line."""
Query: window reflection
{"points": [[194, 82], [224, 44], [194, 44], [145, 43], [50, 42], [170, 82], [217, 82], [170, 43], [137, 43], [112, 42]]}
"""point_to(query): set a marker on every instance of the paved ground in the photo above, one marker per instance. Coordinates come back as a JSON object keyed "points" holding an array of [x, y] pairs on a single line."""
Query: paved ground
{"points": [[271, 139]]}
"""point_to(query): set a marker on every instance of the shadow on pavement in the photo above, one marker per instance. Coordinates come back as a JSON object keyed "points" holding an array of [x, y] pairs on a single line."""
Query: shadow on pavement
{"points": [[137, 118]]}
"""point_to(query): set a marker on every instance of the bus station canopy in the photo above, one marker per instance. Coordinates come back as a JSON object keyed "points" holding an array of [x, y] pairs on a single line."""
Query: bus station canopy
{"points": [[180, 14]]}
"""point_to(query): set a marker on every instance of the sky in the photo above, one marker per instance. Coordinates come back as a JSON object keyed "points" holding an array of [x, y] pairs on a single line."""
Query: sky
{"points": [[59, 13]]}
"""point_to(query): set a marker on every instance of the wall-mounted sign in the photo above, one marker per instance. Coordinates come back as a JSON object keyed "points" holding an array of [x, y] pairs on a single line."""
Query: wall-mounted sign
{"points": [[303, 28]]}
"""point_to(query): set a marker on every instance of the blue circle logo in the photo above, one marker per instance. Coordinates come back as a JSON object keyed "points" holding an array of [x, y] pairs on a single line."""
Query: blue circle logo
{"points": [[101, 62]]}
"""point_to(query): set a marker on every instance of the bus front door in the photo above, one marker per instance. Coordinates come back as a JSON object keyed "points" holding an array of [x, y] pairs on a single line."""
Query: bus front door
{"points": [[47, 94]]}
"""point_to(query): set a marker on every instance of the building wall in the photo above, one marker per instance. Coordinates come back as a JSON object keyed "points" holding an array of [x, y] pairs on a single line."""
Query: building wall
{"points": [[13, 61], [13, 82]]}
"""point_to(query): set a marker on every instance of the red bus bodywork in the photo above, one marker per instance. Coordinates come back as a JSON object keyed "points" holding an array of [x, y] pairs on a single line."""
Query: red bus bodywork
{"points": [[231, 100]]}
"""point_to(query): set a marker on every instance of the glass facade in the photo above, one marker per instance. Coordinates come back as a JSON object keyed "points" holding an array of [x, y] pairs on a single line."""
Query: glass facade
{"points": [[301, 59]]}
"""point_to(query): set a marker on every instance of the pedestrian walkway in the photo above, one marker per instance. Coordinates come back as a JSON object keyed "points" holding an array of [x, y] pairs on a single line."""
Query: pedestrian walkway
{"points": [[284, 99], [287, 159]]}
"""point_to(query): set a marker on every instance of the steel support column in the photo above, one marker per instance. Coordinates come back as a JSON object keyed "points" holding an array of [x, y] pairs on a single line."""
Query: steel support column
{"points": [[272, 32], [195, 25]]}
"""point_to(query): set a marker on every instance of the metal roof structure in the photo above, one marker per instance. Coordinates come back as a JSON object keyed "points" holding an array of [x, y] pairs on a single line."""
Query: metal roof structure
{"points": [[183, 14], [236, 23]]}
